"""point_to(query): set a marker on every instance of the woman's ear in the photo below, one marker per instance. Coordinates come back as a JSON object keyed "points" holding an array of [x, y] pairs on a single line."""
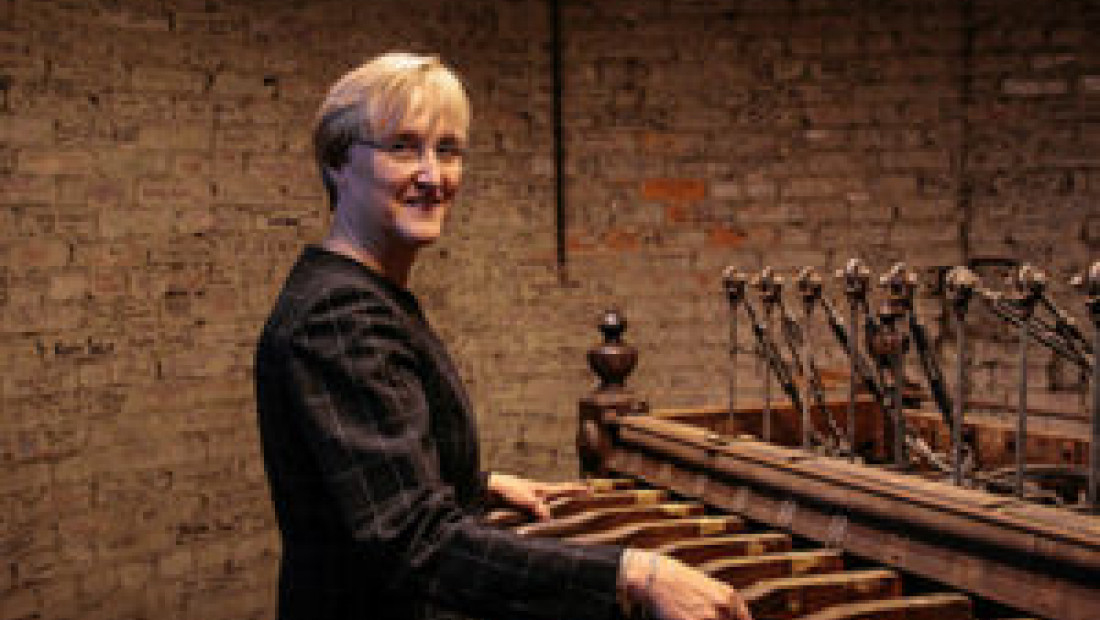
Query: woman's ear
{"points": [[330, 177]]}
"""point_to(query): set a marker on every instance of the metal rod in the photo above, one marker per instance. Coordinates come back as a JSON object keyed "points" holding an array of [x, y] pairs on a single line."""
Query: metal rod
{"points": [[853, 379], [1021, 416], [1066, 326], [733, 363], [1028, 283], [960, 283], [855, 275], [775, 361], [1094, 457], [1056, 344], [807, 372], [734, 282], [809, 288], [960, 398], [900, 459], [1090, 283], [769, 320], [931, 367], [899, 283], [770, 286]]}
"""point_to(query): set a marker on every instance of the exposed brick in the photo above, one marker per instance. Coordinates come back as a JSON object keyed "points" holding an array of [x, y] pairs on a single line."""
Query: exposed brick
{"points": [[725, 237], [174, 192], [679, 190], [157, 182], [43, 253], [154, 79], [1032, 87], [70, 285], [23, 130], [242, 85], [22, 189], [810, 187], [171, 137], [54, 161], [726, 190]]}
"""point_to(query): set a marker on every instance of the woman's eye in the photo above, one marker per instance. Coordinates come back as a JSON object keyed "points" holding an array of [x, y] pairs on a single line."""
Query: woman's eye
{"points": [[402, 146], [449, 150]]}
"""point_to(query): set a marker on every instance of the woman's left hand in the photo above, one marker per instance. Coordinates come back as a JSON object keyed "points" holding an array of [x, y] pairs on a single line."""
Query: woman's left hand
{"points": [[531, 496]]}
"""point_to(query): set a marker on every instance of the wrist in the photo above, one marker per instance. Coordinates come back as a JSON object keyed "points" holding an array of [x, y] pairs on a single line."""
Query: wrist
{"points": [[636, 575]]}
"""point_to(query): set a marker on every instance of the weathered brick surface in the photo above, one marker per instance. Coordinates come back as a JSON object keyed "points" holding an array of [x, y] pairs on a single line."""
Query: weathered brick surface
{"points": [[156, 183]]}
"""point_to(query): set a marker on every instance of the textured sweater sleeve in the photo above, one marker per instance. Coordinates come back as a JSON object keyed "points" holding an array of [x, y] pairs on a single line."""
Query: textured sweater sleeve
{"points": [[358, 382]]}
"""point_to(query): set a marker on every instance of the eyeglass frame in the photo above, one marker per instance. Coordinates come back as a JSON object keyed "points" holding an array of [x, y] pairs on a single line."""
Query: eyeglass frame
{"points": [[452, 155]]}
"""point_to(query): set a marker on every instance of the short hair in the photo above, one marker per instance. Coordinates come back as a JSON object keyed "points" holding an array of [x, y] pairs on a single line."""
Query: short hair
{"points": [[371, 101]]}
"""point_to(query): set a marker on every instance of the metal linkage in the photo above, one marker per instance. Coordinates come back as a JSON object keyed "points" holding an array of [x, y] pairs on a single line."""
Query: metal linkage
{"points": [[960, 284], [770, 286], [1036, 329], [1028, 286], [856, 276], [808, 284], [809, 290], [890, 344], [735, 283], [929, 364], [1066, 327], [792, 333], [1090, 284]]}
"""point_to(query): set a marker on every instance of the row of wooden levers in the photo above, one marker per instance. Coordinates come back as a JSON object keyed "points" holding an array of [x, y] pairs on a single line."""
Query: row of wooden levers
{"points": [[778, 578]]}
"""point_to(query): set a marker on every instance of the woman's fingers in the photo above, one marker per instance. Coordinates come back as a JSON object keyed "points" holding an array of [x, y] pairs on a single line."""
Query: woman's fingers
{"points": [[555, 490], [672, 590]]}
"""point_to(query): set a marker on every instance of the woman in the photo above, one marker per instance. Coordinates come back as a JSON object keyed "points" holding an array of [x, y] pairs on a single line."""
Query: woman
{"points": [[367, 431]]}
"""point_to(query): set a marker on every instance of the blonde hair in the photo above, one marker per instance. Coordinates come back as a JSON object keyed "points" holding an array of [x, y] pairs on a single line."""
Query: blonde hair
{"points": [[371, 101]]}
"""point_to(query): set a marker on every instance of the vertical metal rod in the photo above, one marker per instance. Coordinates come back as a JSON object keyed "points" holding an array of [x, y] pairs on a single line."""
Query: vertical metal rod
{"points": [[959, 284], [1094, 457], [899, 414], [733, 363], [768, 382], [853, 385], [807, 423], [960, 398], [1021, 417], [1090, 283]]}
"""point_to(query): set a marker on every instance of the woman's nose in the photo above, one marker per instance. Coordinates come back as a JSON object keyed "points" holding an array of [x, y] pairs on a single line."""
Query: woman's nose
{"points": [[428, 170]]}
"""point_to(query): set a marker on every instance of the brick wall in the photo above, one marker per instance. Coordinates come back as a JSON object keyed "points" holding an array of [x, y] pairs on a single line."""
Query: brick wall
{"points": [[156, 184]]}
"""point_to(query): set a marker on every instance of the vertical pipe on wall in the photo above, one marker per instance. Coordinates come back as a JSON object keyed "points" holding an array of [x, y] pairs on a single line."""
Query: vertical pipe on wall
{"points": [[559, 152]]}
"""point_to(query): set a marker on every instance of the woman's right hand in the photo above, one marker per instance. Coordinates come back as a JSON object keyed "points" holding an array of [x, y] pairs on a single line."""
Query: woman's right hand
{"points": [[663, 588]]}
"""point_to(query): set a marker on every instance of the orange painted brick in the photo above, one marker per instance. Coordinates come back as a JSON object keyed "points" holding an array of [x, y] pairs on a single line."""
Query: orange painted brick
{"points": [[577, 244], [725, 237], [678, 213], [621, 240], [674, 189]]}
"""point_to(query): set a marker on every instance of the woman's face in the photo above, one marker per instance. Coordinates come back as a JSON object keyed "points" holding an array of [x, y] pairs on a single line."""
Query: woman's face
{"points": [[395, 192]]}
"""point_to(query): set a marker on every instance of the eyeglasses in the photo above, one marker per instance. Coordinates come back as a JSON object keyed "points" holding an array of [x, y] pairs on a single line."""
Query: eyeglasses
{"points": [[409, 151]]}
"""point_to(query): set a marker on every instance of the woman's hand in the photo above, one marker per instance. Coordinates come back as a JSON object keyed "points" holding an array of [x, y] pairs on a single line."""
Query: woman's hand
{"points": [[667, 589], [530, 496]]}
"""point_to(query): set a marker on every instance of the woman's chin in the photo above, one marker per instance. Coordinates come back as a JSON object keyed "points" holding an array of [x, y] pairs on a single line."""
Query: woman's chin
{"points": [[422, 234]]}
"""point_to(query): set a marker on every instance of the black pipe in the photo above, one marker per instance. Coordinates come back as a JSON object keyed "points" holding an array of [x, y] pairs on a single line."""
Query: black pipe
{"points": [[559, 152]]}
